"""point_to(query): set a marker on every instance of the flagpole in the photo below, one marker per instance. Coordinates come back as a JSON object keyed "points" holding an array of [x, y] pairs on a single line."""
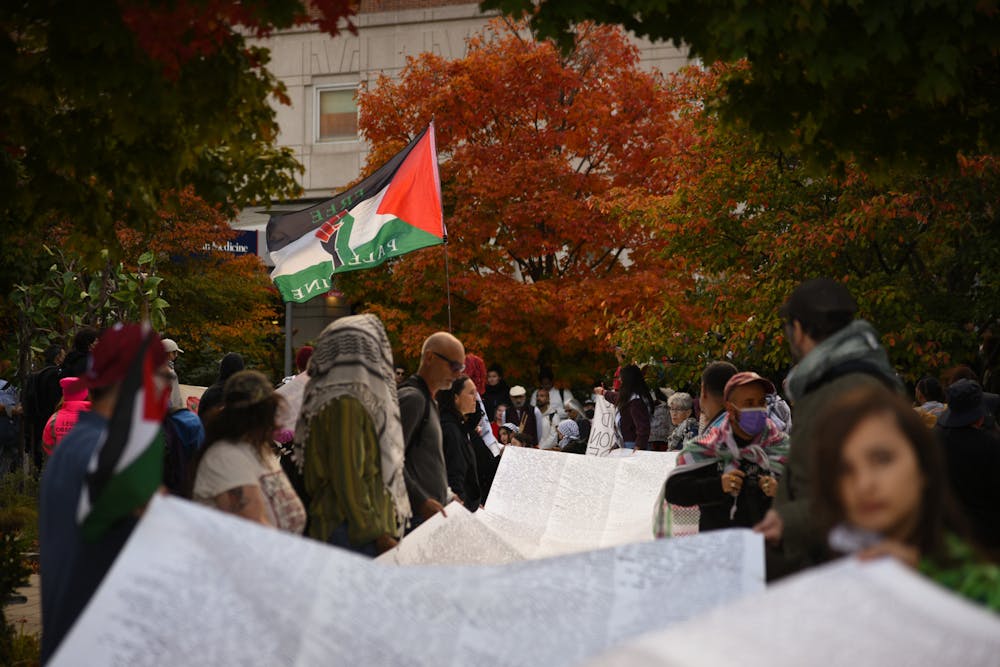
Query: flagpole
{"points": [[447, 279], [288, 338]]}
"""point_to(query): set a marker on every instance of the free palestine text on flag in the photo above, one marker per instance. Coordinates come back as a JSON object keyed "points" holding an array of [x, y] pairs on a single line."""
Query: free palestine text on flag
{"points": [[392, 212]]}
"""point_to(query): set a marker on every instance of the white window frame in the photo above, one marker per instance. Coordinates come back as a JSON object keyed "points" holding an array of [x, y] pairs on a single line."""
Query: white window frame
{"points": [[317, 98]]}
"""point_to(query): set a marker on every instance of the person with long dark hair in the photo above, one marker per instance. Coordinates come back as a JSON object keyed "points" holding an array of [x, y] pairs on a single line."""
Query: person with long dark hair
{"points": [[634, 403], [458, 418], [238, 470], [881, 489]]}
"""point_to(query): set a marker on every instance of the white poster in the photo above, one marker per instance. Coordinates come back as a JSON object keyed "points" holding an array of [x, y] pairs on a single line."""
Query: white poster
{"points": [[195, 586], [545, 504], [603, 434], [845, 614]]}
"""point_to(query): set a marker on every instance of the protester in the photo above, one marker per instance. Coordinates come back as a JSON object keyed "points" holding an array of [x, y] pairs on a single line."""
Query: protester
{"points": [[550, 419], [556, 398], [880, 490], [291, 390], [173, 351], [64, 419], [442, 360], [507, 432], [660, 424], [527, 417], [681, 406], [732, 471], [238, 471], [349, 439], [75, 362], [10, 420], [230, 364], [972, 455], [457, 405], [72, 568], [499, 419], [481, 435], [711, 402], [569, 437], [497, 391], [633, 403], [183, 438], [835, 353], [43, 393], [576, 412], [930, 399]]}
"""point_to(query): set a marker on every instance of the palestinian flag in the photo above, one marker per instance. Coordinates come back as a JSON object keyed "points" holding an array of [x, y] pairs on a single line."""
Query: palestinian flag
{"points": [[127, 467], [394, 211]]}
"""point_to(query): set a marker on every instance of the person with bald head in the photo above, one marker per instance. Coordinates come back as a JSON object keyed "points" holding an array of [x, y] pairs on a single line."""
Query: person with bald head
{"points": [[442, 360]]}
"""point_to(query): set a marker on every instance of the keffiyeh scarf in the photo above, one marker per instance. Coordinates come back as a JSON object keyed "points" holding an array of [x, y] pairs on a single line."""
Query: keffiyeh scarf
{"points": [[353, 358]]}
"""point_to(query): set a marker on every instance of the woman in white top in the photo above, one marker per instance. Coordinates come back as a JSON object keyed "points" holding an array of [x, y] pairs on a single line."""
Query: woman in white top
{"points": [[239, 471]]}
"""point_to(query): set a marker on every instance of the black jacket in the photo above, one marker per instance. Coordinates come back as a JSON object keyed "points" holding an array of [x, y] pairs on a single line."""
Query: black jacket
{"points": [[460, 460], [702, 486]]}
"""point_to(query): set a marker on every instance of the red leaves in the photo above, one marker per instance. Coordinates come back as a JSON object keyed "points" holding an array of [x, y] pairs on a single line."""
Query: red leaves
{"points": [[176, 32]]}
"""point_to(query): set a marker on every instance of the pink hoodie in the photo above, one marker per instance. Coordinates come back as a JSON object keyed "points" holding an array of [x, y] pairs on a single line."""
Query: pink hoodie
{"points": [[64, 418]]}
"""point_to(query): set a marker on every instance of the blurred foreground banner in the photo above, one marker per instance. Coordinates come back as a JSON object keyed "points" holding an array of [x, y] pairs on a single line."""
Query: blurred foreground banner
{"points": [[197, 586]]}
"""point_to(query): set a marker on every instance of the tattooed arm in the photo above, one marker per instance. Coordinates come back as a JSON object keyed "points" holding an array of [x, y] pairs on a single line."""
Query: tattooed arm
{"points": [[245, 501]]}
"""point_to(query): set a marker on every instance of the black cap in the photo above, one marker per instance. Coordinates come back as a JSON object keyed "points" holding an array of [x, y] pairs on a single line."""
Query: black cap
{"points": [[965, 405]]}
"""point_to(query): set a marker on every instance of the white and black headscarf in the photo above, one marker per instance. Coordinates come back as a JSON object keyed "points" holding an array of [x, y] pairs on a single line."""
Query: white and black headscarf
{"points": [[353, 358]]}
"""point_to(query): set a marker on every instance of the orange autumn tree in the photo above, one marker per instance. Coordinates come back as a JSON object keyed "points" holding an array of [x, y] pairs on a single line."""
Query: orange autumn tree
{"points": [[528, 139], [751, 223]]}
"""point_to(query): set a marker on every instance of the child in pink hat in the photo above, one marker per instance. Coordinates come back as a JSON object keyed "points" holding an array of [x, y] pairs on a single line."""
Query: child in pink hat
{"points": [[74, 402]]}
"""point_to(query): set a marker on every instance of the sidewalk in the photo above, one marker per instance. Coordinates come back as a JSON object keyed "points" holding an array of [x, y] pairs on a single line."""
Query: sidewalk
{"points": [[26, 617]]}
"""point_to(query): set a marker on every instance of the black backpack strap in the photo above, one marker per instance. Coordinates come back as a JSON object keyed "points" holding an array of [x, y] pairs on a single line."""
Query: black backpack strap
{"points": [[413, 383]]}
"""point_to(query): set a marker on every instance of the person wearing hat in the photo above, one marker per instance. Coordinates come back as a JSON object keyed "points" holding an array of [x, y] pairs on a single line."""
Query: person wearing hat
{"points": [[972, 455], [72, 568], [172, 350], [527, 417], [238, 470], [834, 353], [732, 471]]}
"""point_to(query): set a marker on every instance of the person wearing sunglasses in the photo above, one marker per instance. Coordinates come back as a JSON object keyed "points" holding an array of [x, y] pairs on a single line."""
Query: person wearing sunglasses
{"points": [[442, 361]]}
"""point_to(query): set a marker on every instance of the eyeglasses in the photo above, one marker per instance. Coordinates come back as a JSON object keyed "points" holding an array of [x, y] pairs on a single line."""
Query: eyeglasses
{"points": [[455, 366], [678, 410]]}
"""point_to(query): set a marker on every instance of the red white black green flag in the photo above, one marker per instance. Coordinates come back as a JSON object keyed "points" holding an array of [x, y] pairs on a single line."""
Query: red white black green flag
{"points": [[394, 211]]}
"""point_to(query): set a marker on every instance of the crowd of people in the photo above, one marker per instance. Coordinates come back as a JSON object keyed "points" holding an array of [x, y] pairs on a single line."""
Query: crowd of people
{"points": [[356, 452]]}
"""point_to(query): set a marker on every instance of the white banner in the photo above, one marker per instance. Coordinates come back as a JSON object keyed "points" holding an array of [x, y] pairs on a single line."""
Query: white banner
{"points": [[603, 435], [845, 614], [194, 585], [545, 504]]}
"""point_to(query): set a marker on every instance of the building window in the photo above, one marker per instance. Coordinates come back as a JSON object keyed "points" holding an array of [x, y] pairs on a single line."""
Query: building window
{"points": [[338, 115]]}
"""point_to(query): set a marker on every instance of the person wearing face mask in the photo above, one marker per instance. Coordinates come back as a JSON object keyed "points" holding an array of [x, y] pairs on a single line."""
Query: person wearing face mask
{"points": [[732, 471]]}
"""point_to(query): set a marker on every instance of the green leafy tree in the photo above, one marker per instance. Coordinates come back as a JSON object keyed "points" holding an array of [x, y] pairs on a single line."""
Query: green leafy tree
{"points": [[882, 83], [109, 104], [752, 223]]}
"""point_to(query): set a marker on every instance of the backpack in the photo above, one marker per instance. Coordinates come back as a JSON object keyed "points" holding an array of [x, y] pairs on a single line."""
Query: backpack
{"points": [[412, 382]]}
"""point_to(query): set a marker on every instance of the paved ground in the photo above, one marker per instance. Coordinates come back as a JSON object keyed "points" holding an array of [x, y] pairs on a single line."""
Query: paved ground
{"points": [[27, 616]]}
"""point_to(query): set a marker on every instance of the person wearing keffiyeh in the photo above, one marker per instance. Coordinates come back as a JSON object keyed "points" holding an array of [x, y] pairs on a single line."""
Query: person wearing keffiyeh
{"points": [[349, 439], [732, 470]]}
